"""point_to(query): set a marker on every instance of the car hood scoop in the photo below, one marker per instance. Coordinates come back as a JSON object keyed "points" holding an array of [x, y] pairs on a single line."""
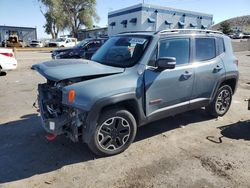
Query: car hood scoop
{"points": [[63, 69]]}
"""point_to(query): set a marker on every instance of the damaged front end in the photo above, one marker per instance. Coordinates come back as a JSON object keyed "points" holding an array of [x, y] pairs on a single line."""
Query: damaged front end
{"points": [[57, 118]]}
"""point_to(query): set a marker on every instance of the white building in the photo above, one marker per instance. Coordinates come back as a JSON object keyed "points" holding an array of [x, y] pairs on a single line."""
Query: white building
{"points": [[145, 17]]}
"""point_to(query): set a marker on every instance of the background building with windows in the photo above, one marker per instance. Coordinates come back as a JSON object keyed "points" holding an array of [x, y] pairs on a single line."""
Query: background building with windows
{"points": [[26, 34], [93, 33], [145, 17]]}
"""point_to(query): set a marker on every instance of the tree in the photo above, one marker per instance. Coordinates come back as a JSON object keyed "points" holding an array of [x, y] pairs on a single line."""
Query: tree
{"points": [[71, 14], [55, 19], [79, 13], [225, 27]]}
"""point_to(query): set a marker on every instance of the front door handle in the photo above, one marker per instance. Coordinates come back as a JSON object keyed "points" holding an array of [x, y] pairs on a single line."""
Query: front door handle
{"points": [[187, 75]]}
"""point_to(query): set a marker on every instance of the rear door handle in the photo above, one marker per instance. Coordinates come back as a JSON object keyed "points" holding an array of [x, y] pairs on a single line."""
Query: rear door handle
{"points": [[187, 75], [218, 68]]}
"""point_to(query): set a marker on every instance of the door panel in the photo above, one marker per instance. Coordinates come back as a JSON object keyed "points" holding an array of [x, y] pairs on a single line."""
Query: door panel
{"points": [[209, 68], [206, 78], [167, 88]]}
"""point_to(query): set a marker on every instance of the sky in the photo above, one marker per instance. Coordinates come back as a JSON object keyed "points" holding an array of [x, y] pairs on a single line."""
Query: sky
{"points": [[27, 13]]}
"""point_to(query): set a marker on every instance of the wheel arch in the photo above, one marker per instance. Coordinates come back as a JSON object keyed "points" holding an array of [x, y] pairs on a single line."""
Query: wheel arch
{"points": [[231, 80], [127, 101], [129, 104]]}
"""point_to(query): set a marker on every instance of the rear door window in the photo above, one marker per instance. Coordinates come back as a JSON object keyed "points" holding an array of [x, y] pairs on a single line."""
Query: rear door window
{"points": [[205, 49]]}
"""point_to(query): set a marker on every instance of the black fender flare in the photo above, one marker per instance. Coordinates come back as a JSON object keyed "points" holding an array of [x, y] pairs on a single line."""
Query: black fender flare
{"points": [[223, 79], [94, 113]]}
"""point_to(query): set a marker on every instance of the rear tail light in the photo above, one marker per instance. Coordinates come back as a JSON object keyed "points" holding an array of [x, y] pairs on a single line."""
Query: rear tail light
{"points": [[7, 54], [236, 62]]}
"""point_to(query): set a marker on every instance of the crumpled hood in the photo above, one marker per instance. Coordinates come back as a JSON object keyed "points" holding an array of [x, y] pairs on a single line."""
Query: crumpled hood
{"points": [[62, 69]]}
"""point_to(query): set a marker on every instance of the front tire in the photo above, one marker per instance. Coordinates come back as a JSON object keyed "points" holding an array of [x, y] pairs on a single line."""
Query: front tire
{"points": [[115, 131], [221, 103]]}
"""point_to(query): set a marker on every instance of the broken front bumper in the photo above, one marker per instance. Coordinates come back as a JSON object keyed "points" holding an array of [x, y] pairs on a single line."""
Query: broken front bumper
{"points": [[54, 118], [57, 118]]}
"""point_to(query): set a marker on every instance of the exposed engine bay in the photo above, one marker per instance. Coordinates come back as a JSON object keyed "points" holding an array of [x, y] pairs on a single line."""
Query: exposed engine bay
{"points": [[57, 118]]}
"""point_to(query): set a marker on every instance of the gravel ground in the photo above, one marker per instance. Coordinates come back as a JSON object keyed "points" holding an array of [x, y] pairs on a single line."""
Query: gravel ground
{"points": [[188, 150]]}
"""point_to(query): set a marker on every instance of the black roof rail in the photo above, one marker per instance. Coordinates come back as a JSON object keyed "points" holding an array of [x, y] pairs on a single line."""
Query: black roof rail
{"points": [[187, 31]]}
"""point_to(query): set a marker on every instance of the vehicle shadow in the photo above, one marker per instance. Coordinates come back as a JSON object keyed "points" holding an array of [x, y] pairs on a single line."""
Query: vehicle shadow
{"points": [[25, 152], [237, 131], [171, 123]]}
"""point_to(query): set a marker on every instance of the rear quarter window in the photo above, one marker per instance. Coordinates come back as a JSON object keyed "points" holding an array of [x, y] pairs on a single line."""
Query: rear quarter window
{"points": [[205, 49], [220, 45]]}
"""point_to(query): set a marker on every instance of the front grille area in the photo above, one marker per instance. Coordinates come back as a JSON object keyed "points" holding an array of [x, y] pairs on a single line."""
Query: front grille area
{"points": [[50, 101], [57, 118]]}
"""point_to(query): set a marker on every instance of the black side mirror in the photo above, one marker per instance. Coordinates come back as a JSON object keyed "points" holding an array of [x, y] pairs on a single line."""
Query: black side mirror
{"points": [[166, 63]]}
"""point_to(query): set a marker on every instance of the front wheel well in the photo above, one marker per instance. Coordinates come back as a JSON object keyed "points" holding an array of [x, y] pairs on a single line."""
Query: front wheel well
{"points": [[231, 82], [129, 105]]}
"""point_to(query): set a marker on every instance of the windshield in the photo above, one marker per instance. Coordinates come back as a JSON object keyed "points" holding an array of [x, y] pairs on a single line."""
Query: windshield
{"points": [[60, 40], [82, 43], [121, 51]]}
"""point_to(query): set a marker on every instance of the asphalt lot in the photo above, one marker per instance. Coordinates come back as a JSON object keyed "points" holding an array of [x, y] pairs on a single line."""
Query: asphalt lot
{"points": [[188, 150]]}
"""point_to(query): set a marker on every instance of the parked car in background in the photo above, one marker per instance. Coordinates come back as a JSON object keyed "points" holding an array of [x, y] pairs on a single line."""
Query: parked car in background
{"points": [[7, 60], [46, 42], [36, 43], [240, 35], [63, 42], [236, 35], [246, 35], [134, 79], [84, 49]]}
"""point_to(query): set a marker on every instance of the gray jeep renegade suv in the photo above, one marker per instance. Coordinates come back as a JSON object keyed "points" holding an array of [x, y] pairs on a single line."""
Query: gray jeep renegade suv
{"points": [[133, 79]]}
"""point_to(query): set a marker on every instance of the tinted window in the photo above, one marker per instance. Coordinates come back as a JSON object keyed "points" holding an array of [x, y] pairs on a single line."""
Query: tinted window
{"points": [[205, 49], [221, 46], [94, 45], [178, 48]]}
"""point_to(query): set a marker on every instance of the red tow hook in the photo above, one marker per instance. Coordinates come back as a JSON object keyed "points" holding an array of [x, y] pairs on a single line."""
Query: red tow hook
{"points": [[50, 137], [38, 110]]}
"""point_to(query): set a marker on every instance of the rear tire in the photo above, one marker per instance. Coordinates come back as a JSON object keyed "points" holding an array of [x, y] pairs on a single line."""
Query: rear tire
{"points": [[115, 131], [221, 103]]}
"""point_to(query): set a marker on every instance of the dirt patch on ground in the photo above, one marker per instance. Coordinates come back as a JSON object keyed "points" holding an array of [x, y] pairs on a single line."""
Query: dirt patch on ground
{"points": [[144, 176], [217, 166]]}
